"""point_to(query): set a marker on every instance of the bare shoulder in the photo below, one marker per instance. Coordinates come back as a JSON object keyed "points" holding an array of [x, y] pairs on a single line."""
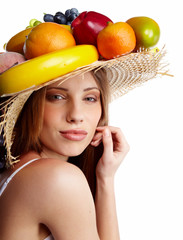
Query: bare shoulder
{"points": [[61, 176], [43, 178], [52, 168], [51, 173], [64, 201], [58, 174]]}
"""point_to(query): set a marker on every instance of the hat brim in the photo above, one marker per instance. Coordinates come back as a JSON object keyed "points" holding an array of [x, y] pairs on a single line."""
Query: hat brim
{"points": [[123, 73]]}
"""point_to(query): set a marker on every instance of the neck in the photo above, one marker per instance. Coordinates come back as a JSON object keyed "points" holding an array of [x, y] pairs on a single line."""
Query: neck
{"points": [[46, 153]]}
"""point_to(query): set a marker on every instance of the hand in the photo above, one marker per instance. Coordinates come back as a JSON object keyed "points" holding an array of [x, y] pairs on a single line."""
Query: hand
{"points": [[115, 149]]}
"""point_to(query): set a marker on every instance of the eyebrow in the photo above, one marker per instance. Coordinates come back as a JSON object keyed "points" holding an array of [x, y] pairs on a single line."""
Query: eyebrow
{"points": [[91, 88], [60, 88], [65, 89]]}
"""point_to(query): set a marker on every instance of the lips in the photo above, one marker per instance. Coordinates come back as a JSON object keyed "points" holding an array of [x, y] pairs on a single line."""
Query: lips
{"points": [[74, 134]]}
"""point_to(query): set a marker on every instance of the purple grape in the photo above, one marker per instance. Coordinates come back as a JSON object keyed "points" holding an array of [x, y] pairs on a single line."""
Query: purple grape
{"points": [[72, 17], [48, 18], [71, 14], [67, 13], [69, 22], [74, 10], [60, 18], [58, 13]]}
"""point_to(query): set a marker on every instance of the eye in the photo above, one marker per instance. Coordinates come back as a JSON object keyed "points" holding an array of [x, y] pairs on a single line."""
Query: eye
{"points": [[54, 97], [91, 99]]}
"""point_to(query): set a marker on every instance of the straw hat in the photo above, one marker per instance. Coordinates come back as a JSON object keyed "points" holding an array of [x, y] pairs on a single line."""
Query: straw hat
{"points": [[123, 74]]}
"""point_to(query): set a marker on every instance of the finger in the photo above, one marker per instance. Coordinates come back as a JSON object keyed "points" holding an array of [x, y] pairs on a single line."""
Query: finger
{"points": [[96, 143], [119, 140], [96, 139], [98, 135], [107, 142]]}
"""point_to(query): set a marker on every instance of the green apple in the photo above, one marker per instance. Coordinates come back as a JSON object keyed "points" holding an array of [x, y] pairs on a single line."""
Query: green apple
{"points": [[147, 31]]}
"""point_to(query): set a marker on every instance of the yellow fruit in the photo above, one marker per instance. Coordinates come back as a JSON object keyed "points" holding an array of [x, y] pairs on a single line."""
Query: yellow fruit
{"points": [[46, 67], [68, 27], [15, 44]]}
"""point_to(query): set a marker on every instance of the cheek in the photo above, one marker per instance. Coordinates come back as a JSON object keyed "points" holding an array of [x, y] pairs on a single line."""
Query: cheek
{"points": [[50, 115], [99, 114], [50, 120], [95, 117]]}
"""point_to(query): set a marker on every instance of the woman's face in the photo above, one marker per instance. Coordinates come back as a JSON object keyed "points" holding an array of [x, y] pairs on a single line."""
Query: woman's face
{"points": [[71, 114]]}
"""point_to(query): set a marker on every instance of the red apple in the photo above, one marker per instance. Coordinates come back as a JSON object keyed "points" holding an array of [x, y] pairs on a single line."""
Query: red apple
{"points": [[87, 26]]}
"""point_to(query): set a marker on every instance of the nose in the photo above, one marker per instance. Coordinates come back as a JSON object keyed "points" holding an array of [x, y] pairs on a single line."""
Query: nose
{"points": [[74, 113]]}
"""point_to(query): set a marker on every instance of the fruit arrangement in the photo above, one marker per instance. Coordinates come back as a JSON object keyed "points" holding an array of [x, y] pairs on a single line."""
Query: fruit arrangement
{"points": [[111, 39], [64, 30]]}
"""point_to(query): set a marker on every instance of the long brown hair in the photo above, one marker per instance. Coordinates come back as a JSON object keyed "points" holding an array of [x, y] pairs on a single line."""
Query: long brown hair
{"points": [[29, 124]]}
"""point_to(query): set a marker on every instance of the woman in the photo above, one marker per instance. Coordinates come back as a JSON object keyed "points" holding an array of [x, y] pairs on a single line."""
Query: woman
{"points": [[64, 154]]}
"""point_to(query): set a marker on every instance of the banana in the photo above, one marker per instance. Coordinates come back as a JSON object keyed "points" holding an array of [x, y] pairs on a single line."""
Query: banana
{"points": [[46, 67]]}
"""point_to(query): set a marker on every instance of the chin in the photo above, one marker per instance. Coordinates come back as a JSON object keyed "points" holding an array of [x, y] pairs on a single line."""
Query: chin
{"points": [[72, 150]]}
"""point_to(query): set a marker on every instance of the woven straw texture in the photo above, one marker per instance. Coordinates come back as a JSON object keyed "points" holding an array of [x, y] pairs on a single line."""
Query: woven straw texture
{"points": [[124, 74]]}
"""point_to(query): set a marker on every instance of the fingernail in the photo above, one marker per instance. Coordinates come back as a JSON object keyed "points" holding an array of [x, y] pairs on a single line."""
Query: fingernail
{"points": [[106, 132]]}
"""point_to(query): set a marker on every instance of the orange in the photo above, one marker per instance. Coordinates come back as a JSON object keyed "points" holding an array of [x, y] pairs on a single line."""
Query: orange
{"points": [[116, 39], [15, 44], [47, 37]]}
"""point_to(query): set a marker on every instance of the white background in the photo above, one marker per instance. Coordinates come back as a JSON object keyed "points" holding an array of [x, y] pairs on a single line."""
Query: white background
{"points": [[149, 182]]}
